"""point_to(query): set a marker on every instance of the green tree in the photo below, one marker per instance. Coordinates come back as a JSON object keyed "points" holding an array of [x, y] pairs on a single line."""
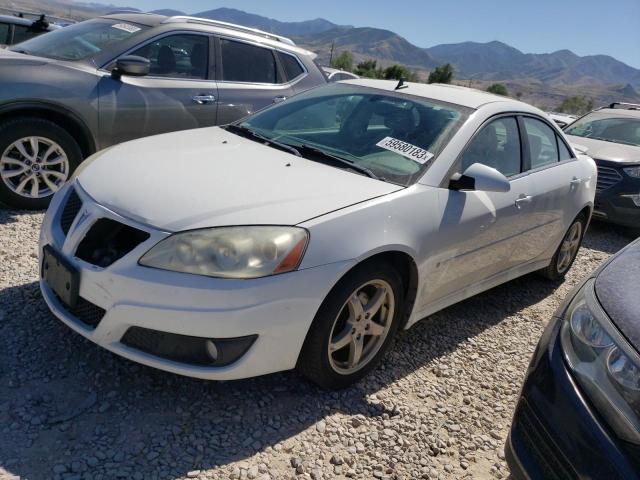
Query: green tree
{"points": [[576, 105], [368, 69], [344, 61], [396, 72], [441, 74], [498, 89]]}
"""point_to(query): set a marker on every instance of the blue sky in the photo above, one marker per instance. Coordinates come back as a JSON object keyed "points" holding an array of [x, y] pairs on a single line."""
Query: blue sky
{"points": [[586, 27]]}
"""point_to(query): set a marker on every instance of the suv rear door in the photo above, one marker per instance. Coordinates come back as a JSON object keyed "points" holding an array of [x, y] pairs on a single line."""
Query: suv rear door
{"points": [[250, 77], [179, 93]]}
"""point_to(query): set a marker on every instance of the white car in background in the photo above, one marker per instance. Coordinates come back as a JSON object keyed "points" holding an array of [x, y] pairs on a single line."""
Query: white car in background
{"points": [[562, 119], [335, 74], [307, 234]]}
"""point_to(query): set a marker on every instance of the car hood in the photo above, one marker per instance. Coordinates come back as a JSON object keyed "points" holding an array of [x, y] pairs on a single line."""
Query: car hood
{"points": [[209, 177], [617, 290], [614, 152], [7, 57]]}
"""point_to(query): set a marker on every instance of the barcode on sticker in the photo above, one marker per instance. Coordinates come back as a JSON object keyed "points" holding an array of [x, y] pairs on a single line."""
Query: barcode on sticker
{"points": [[418, 154]]}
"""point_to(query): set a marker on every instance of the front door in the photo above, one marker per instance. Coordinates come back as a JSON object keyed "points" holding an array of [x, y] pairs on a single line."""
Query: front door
{"points": [[179, 93]]}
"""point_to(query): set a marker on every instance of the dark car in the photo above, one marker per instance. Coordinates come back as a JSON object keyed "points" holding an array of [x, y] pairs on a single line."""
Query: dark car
{"points": [[578, 415], [14, 29], [120, 77], [612, 138]]}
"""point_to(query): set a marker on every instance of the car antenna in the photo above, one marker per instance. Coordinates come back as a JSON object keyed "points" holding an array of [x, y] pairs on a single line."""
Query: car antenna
{"points": [[401, 84]]}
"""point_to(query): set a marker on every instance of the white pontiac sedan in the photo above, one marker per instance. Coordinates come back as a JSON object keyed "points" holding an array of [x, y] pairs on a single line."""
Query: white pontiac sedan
{"points": [[307, 234]]}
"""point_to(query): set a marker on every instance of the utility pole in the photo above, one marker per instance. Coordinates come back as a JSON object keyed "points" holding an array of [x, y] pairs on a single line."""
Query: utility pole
{"points": [[331, 54]]}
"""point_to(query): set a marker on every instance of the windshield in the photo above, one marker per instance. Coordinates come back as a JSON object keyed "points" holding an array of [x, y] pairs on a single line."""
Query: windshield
{"points": [[598, 127], [80, 41], [394, 136]]}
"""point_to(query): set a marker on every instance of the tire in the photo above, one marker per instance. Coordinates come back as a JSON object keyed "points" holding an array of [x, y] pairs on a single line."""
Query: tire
{"points": [[558, 267], [44, 168], [363, 285]]}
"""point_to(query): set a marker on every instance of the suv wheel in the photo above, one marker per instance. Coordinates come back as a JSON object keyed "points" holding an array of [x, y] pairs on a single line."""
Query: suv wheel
{"points": [[354, 327], [36, 158]]}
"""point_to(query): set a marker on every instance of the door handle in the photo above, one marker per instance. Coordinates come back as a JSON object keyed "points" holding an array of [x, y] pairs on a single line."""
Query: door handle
{"points": [[204, 99], [523, 199], [575, 182], [279, 98]]}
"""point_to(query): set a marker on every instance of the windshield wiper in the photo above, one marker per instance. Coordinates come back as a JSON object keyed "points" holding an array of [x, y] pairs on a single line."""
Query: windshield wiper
{"points": [[337, 159], [247, 132]]}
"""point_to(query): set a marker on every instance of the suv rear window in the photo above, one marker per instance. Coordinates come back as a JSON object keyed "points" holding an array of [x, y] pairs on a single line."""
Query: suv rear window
{"points": [[291, 65], [82, 40], [242, 62]]}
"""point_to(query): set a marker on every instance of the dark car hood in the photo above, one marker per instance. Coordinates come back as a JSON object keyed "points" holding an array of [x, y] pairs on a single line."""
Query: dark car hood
{"points": [[617, 290]]}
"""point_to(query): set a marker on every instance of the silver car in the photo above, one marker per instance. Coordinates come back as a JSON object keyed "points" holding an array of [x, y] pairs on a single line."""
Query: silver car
{"points": [[86, 87]]}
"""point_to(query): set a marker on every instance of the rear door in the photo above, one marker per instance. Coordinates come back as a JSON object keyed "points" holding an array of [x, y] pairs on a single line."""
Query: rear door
{"points": [[250, 77], [179, 93], [555, 176]]}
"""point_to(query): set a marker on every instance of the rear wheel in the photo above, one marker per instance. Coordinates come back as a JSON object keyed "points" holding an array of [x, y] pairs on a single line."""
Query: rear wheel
{"points": [[354, 327], [36, 158], [567, 251]]}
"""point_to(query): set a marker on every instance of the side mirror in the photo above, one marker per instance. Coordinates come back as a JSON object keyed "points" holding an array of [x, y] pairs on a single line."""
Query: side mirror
{"points": [[480, 177], [131, 65]]}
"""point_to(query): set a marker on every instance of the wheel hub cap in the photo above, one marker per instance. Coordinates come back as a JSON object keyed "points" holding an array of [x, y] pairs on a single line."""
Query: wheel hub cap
{"points": [[569, 247], [34, 167]]}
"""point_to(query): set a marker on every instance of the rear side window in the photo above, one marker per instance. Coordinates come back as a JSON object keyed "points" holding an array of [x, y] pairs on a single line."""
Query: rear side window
{"points": [[4, 33], [242, 62], [543, 147], [291, 65], [22, 33], [497, 145], [177, 56]]}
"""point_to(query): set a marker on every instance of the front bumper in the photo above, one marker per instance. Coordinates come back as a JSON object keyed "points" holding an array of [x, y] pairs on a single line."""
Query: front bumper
{"points": [[612, 205], [556, 434], [278, 309]]}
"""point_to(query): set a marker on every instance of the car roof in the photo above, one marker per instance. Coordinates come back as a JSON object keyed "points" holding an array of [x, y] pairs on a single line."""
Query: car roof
{"points": [[619, 112], [464, 96], [15, 20], [213, 26]]}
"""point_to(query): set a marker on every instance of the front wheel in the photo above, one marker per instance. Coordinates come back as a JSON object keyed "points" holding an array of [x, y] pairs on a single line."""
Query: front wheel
{"points": [[36, 158], [567, 251], [354, 327]]}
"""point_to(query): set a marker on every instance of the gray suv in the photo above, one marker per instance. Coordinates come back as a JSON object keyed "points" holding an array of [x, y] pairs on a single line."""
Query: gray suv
{"points": [[69, 93]]}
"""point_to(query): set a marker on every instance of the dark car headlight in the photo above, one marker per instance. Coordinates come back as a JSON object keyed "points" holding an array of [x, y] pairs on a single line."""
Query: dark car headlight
{"points": [[603, 362]]}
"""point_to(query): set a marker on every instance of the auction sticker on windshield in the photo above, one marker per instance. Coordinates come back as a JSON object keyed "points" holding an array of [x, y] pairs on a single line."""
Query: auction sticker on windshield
{"points": [[405, 149], [127, 27]]}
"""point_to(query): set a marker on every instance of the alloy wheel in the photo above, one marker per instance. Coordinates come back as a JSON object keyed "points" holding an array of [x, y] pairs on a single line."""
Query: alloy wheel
{"points": [[34, 167], [361, 327], [569, 247]]}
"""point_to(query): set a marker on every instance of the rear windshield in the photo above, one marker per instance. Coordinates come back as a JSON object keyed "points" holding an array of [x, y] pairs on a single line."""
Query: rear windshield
{"points": [[82, 40]]}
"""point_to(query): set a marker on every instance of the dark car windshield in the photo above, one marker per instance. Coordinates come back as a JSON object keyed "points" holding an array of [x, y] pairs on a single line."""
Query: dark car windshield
{"points": [[394, 135], [82, 40], [617, 130]]}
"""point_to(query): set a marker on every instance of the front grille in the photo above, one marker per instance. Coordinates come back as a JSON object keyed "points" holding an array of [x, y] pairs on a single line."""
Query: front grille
{"points": [[552, 463], [607, 177], [84, 312], [108, 241], [70, 211]]}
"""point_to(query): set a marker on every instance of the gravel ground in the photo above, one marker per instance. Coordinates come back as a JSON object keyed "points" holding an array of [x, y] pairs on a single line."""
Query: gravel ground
{"points": [[438, 407]]}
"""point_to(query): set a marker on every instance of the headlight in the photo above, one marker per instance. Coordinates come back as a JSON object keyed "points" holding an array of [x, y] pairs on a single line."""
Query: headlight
{"points": [[605, 365], [230, 252], [633, 171]]}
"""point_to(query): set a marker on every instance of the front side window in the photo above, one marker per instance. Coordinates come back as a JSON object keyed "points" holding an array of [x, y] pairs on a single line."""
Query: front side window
{"points": [[599, 127], [177, 56], [497, 146], [242, 62], [82, 40], [395, 136]]}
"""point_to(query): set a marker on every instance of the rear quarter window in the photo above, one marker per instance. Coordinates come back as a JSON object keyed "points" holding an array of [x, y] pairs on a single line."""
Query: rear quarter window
{"points": [[291, 65]]}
